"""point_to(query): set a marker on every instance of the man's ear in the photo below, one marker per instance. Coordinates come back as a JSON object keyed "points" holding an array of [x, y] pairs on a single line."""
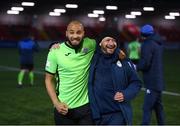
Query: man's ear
{"points": [[100, 44]]}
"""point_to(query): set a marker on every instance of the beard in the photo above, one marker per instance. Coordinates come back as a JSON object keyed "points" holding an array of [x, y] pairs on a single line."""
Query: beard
{"points": [[110, 46], [108, 49], [75, 46]]}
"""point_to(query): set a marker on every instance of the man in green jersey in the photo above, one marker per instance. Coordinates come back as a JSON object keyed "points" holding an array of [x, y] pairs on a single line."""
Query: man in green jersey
{"points": [[134, 48], [70, 64]]}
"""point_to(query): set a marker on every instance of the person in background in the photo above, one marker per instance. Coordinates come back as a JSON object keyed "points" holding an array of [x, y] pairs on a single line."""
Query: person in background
{"points": [[26, 48], [151, 65], [134, 48], [113, 83], [130, 33]]}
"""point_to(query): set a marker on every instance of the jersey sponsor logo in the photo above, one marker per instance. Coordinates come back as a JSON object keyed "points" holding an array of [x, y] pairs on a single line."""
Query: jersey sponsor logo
{"points": [[85, 50], [119, 64], [67, 54]]}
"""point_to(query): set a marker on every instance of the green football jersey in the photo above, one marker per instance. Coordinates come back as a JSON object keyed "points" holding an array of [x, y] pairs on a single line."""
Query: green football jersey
{"points": [[73, 71], [134, 48]]}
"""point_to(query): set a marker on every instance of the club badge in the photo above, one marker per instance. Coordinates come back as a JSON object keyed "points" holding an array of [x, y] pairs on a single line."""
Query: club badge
{"points": [[85, 50], [119, 64]]}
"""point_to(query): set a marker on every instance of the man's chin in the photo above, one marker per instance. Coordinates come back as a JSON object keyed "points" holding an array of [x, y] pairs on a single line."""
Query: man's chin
{"points": [[110, 51], [75, 43]]}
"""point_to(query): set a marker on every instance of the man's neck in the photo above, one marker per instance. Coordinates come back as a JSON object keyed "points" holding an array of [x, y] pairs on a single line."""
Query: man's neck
{"points": [[76, 48]]}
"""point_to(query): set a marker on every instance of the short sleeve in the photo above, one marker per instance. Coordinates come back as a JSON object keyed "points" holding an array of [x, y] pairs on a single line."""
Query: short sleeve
{"points": [[51, 62]]}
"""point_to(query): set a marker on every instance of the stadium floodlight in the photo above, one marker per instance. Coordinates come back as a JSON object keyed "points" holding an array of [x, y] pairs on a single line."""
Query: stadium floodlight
{"points": [[111, 7], [98, 12], [93, 15], [12, 12], [148, 8], [169, 17], [54, 14], [60, 10], [130, 16], [71, 6], [17, 8], [27, 3], [174, 14], [102, 19], [138, 13]]}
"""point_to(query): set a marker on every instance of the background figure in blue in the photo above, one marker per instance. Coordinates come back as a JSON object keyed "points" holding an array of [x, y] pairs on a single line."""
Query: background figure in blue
{"points": [[112, 85], [26, 49], [152, 68]]}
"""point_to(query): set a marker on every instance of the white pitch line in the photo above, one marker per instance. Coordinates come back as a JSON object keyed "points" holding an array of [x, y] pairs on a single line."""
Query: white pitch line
{"points": [[167, 92], [17, 69], [42, 73]]}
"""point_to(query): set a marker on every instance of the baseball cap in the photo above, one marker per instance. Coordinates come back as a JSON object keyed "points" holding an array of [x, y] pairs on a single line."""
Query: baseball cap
{"points": [[147, 30]]}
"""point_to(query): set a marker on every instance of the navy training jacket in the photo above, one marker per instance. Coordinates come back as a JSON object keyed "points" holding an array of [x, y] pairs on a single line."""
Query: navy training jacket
{"points": [[151, 63], [125, 80]]}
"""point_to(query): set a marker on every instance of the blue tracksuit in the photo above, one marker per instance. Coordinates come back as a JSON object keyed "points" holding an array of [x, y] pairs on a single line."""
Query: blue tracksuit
{"points": [[107, 76], [26, 49], [152, 67]]}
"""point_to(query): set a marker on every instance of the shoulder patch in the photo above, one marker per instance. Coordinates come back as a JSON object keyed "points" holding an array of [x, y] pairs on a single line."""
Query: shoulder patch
{"points": [[85, 50], [119, 64]]}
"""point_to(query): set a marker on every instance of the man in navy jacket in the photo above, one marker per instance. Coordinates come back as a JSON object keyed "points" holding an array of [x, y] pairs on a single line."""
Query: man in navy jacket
{"points": [[113, 83], [152, 67]]}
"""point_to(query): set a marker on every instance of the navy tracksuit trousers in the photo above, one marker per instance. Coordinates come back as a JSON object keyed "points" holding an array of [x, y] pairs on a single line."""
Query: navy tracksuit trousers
{"points": [[152, 101], [114, 118]]}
